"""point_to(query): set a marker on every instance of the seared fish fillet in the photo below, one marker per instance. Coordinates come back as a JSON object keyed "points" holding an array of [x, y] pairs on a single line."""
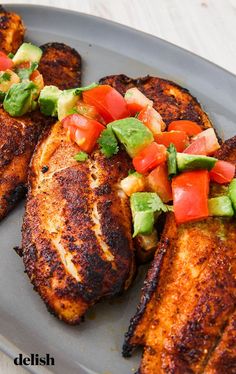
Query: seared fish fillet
{"points": [[189, 297], [12, 31], [77, 240], [172, 101], [77, 244], [61, 65], [19, 136]]}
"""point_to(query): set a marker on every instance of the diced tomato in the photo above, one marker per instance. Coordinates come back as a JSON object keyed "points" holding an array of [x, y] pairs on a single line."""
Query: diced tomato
{"points": [[197, 147], [158, 182], [109, 103], [136, 100], [191, 128], [190, 195], [24, 65], [151, 156], [5, 62], [37, 78], [88, 111], [152, 119], [222, 172], [211, 140], [83, 131], [178, 138]]}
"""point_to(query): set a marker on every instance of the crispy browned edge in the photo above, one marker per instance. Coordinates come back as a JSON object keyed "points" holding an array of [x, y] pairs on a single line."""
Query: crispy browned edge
{"points": [[223, 359], [60, 65], [12, 25], [172, 101], [226, 152], [65, 62]]}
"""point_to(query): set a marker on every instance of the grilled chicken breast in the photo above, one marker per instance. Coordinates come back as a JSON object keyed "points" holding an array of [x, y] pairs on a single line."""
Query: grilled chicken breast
{"points": [[12, 31], [189, 297], [19, 136]]}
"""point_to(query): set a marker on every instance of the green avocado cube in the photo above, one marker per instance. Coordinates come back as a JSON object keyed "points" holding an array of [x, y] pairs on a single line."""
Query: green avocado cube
{"points": [[220, 206], [143, 223], [20, 99], [132, 134], [192, 162], [27, 52], [48, 100], [232, 192], [144, 208], [66, 102]]}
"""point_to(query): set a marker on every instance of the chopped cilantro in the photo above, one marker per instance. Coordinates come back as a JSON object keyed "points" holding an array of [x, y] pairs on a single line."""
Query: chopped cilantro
{"points": [[131, 171], [81, 156], [79, 90], [25, 73], [11, 55], [2, 96], [72, 111], [108, 143], [5, 77]]}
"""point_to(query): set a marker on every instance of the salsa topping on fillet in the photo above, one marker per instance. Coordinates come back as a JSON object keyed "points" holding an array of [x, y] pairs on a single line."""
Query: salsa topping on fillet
{"points": [[171, 162]]}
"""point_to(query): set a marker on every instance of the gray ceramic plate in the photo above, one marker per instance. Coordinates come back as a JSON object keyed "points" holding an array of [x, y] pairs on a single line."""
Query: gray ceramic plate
{"points": [[106, 48]]}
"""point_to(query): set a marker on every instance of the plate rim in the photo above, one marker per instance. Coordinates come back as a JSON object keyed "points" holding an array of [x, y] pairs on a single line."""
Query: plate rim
{"points": [[6, 346]]}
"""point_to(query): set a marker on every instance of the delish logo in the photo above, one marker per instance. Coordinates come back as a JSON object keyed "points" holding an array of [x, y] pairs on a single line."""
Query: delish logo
{"points": [[34, 360]]}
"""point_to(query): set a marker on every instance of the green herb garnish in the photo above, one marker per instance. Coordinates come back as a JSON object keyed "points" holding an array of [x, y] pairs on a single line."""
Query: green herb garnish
{"points": [[79, 90], [11, 55], [172, 160], [81, 156], [5, 77], [108, 143]]}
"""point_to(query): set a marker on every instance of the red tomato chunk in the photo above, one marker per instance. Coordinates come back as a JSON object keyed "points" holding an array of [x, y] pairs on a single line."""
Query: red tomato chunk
{"points": [[178, 138], [83, 131], [190, 196], [109, 103], [151, 156], [158, 182], [191, 128], [222, 172]]}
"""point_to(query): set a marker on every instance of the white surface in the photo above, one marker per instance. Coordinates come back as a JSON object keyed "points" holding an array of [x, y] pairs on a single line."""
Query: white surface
{"points": [[205, 27]]}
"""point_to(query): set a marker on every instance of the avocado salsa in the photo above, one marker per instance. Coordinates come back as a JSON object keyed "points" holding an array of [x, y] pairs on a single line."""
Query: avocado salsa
{"points": [[173, 165]]}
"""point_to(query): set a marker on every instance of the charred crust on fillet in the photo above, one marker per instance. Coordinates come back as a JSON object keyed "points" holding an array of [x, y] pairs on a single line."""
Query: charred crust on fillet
{"points": [[11, 31], [172, 101], [150, 285], [60, 65]]}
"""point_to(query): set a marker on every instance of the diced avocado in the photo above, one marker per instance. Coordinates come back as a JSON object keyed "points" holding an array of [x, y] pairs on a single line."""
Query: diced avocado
{"points": [[27, 52], [143, 223], [48, 100], [232, 192], [192, 162], [172, 160], [19, 99], [132, 134], [144, 207], [220, 206], [66, 101]]}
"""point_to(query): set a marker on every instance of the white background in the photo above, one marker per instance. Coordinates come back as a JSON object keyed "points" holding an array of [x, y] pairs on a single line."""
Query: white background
{"points": [[205, 27]]}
